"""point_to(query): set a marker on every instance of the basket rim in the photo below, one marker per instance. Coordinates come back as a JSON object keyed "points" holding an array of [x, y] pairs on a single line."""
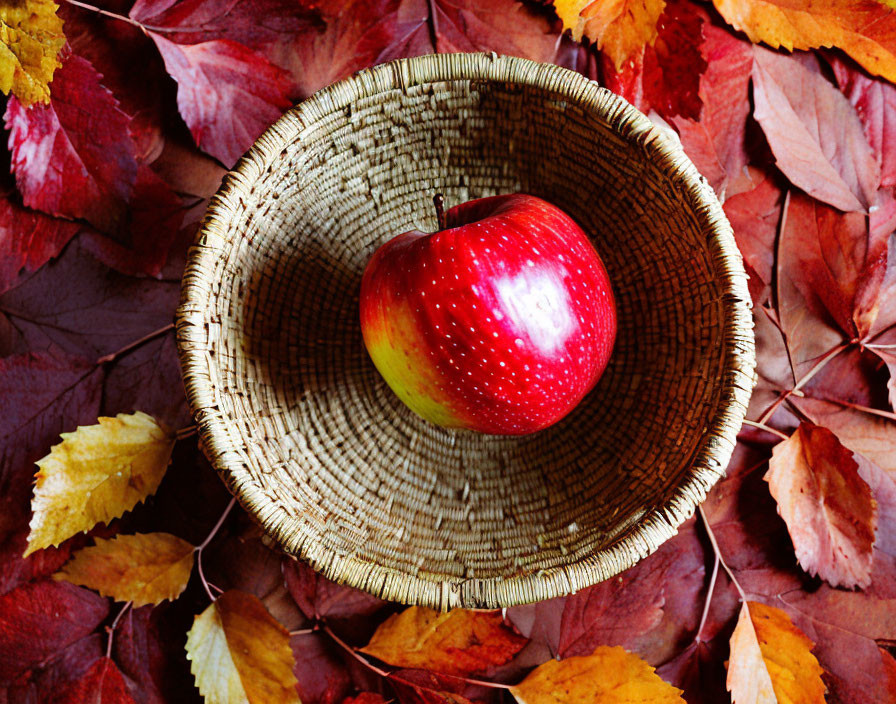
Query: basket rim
{"points": [[654, 527]]}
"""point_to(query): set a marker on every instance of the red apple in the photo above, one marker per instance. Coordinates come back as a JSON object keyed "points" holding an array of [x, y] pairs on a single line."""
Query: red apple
{"points": [[499, 322]]}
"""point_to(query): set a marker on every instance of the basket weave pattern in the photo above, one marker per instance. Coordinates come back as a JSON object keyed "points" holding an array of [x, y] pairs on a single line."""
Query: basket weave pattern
{"points": [[316, 446]]}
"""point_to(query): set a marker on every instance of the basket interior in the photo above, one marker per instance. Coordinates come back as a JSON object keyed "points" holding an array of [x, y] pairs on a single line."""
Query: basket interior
{"points": [[335, 466]]}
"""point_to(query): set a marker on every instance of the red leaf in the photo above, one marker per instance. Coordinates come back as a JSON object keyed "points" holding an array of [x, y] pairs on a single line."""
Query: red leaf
{"points": [[365, 698], [139, 650], [716, 143], [883, 488], [814, 133], [74, 157], [322, 676], [319, 597], [18, 570], [754, 215], [699, 671], [666, 76], [828, 508], [227, 94], [67, 665], [103, 684], [40, 619], [28, 240], [875, 102]]}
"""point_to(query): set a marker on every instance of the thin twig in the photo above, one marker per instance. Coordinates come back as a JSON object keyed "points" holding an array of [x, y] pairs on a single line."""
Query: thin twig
{"points": [[708, 601], [145, 28], [110, 630], [127, 348], [199, 548], [718, 552], [354, 653], [865, 409], [303, 632], [766, 428]]}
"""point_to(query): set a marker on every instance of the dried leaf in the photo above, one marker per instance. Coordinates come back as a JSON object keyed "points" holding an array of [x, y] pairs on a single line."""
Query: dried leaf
{"points": [[239, 653], [42, 618], [715, 141], [227, 94], [619, 28], [319, 597], [459, 642], [608, 676], [814, 133], [103, 684], [74, 157], [828, 508], [30, 39], [146, 568], [771, 660], [96, 474], [322, 675], [864, 29]]}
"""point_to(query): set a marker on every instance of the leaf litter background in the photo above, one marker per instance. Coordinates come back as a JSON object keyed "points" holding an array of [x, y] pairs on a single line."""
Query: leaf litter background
{"points": [[783, 588]]}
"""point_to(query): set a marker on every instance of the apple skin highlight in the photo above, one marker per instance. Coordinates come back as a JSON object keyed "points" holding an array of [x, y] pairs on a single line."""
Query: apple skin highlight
{"points": [[500, 323]]}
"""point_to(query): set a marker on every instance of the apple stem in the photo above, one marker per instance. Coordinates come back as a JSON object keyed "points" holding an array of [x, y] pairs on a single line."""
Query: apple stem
{"points": [[439, 201]]}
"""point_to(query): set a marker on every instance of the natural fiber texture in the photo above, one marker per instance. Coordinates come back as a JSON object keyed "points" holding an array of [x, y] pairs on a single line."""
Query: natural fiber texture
{"points": [[316, 446]]}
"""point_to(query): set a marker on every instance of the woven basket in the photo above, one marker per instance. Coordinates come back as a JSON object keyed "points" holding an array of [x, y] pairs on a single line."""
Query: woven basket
{"points": [[308, 436]]}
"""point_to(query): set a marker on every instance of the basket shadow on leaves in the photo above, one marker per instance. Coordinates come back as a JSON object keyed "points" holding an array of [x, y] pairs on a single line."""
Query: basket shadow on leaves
{"points": [[308, 436]]}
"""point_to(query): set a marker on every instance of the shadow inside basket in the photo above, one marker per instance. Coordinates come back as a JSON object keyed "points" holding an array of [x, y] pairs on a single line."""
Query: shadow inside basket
{"points": [[345, 468]]}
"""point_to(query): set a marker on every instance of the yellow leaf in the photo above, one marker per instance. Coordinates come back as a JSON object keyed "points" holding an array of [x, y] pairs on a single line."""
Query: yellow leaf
{"points": [[30, 39], [610, 675], [96, 474], [771, 660], [146, 568], [620, 28], [459, 642], [864, 29], [239, 653]]}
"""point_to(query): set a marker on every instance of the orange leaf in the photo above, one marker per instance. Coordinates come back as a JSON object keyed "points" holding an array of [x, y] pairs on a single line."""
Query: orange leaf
{"points": [[240, 653], [460, 642], [771, 660], [610, 675], [144, 568], [864, 29], [828, 508], [96, 474], [620, 28]]}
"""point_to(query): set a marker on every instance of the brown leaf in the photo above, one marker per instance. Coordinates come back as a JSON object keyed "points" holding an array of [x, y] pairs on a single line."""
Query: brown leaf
{"points": [[814, 133], [864, 29], [619, 29], [828, 508], [30, 39], [238, 652], [459, 642], [608, 676], [771, 660], [146, 568], [96, 474]]}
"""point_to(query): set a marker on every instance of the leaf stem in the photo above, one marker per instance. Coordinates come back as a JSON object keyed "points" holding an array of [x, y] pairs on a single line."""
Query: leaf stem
{"points": [[303, 632], [111, 357], [865, 409], [354, 653], [110, 630], [766, 428], [438, 200], [199, 548], [145, 28], [718, 552], [186, 432], [708, 601]]}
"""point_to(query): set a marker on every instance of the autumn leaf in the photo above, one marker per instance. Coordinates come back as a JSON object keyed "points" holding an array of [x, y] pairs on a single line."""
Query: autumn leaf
{"points": [[619, 29], [29, 239], [102, 684], [74, 156], [460, 642], [96, 474], [771, 660], [864, 29], [814, 133], [146, 568], [238, 652], [227, 94], [716, 140], [609, 675], [319, 597], [665, 77], [42, 618], [827, 506], [30, 40], [365, 698]]}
